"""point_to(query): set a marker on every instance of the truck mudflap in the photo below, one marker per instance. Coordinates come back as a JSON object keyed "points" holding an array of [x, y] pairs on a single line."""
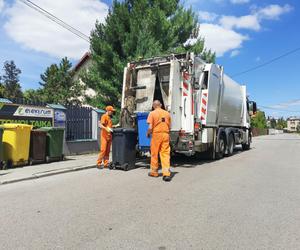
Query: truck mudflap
{"points": [[203, 106]]}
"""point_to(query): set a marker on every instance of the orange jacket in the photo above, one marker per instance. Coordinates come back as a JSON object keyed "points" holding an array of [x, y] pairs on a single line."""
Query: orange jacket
{"points": [[160, 121], [107, 122]]}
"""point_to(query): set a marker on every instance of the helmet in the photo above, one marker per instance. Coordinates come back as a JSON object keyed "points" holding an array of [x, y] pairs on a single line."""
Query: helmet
{"points": [[110, 108]]}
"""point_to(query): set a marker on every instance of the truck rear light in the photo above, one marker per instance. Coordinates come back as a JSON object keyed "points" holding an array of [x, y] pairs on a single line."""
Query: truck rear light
{"points": [[182, 133]]}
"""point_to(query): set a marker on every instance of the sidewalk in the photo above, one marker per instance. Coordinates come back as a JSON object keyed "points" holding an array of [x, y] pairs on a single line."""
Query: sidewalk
{"points": [[72, 163]]}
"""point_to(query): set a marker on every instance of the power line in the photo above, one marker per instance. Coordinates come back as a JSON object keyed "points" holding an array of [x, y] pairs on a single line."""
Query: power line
{"points": [[267, 62], [283, 110], [56, 20]]}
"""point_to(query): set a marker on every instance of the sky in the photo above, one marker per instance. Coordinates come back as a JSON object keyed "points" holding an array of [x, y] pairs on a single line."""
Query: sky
{"points": [[243, 33]]}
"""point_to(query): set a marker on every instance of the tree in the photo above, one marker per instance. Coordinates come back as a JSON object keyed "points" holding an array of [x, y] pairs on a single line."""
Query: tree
{"points": [[33, 95], [273, 123], [137, 29], [1, 88], [298, 128], [259, 120], [281, 124], [58, 85], [12, 87]]}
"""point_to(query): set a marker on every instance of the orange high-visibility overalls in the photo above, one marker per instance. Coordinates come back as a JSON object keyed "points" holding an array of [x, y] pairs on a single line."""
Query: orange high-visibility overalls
{"points": [[106, 139], [160, 142]]}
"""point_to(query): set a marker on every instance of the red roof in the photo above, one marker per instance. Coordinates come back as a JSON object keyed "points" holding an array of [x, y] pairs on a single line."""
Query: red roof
{"points": [[83, 59]]}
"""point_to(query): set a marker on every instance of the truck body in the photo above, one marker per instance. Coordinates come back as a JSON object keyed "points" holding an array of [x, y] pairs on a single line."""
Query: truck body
{"points": [[210, 112]]}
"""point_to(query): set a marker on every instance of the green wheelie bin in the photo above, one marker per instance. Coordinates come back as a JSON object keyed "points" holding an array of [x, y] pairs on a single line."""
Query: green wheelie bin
{"points": [[54, 143]]}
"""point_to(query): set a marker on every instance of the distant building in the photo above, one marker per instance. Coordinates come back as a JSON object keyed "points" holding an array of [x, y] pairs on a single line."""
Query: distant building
{"points": [[293, 123], [83, 65]]}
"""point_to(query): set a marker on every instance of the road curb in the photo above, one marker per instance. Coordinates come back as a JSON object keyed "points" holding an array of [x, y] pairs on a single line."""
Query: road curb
{"points": [[46, 174]]}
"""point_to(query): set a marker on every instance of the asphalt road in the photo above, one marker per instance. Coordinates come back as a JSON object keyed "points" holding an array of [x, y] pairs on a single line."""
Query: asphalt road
{"points": [[248, 201]]}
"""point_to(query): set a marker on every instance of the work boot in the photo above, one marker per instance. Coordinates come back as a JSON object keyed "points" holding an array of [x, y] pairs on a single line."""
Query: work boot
{"points": [[99, 166], [167, 178], [153, 175]]}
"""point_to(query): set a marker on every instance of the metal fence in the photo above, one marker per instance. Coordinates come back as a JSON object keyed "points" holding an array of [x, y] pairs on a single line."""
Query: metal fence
{"points": [[24, 101], [259, 131], [79, 124]]}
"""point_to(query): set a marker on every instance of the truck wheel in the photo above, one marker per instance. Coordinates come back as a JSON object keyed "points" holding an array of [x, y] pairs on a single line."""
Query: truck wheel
{"points": [[230, 145], [221, 147], [246, 146], [208, 155]]}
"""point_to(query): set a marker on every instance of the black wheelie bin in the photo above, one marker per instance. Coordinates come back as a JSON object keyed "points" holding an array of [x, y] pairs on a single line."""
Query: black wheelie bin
{"points": [[124, 148]]}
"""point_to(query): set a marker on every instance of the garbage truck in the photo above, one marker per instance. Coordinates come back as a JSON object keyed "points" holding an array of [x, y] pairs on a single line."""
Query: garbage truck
{"points": [[210, 112]]}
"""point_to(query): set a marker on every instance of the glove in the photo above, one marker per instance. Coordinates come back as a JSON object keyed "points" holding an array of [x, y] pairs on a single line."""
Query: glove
{"points": [[148, 134], [110, 130]]}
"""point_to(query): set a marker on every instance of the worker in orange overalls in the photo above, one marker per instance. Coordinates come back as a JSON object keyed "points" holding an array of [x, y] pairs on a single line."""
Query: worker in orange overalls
{"points": [[106, 137], [159, 122]]}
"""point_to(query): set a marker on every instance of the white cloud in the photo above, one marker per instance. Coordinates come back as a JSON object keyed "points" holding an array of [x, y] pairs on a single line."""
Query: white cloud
{"points": [[220, 32], [239, 1], [34, 31], [1, 5], [207, 16], [220, 39], [234, 53], [273, 11], [287, 104], [243, 22], [254, 20]]}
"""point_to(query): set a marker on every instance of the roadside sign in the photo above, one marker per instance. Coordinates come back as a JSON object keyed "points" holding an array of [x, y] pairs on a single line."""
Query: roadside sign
{"points": [[25, 114]]}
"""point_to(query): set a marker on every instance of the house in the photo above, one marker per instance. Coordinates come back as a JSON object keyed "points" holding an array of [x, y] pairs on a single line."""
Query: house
{"points": [[293, 124], [83, 65]]}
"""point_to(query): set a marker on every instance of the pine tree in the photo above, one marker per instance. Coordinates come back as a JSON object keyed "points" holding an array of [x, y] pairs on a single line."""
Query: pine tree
{"points": [[138, 29], [58, 85], [12, 87]]}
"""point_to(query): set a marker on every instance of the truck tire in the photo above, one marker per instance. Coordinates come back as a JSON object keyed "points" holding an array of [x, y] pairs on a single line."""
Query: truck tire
{"points": [[221, 147], [246, 146], [230, 145], [210, 154]]}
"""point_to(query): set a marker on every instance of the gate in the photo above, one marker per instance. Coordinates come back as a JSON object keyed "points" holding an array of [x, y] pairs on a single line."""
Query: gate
{"points": [[79, 123]]}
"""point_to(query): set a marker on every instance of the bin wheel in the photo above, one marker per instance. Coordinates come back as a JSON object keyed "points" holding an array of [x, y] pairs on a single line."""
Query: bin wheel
{"points": [[8, 164], [126, 167], [47, 159], [1, 165], [111, 166], [62, 157], [30, 162]]}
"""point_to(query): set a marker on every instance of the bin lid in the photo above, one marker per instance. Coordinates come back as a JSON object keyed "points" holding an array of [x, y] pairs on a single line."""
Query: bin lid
{"points": [[38, 131], [124, 130], [50, 129], [15, 125], [142, 114]]}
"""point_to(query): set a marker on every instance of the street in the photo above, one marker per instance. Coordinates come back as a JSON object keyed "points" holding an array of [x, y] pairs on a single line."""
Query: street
{"points": [[250, 200]]}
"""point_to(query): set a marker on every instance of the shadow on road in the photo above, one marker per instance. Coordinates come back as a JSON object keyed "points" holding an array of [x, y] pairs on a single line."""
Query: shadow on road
{"points": [[278, 139], [182, 161]]}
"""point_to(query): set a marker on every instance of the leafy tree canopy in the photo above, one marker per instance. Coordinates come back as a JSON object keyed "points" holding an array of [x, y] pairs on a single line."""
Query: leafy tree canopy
{"points": [[259, 120], [137, 29], [58, 85]]}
